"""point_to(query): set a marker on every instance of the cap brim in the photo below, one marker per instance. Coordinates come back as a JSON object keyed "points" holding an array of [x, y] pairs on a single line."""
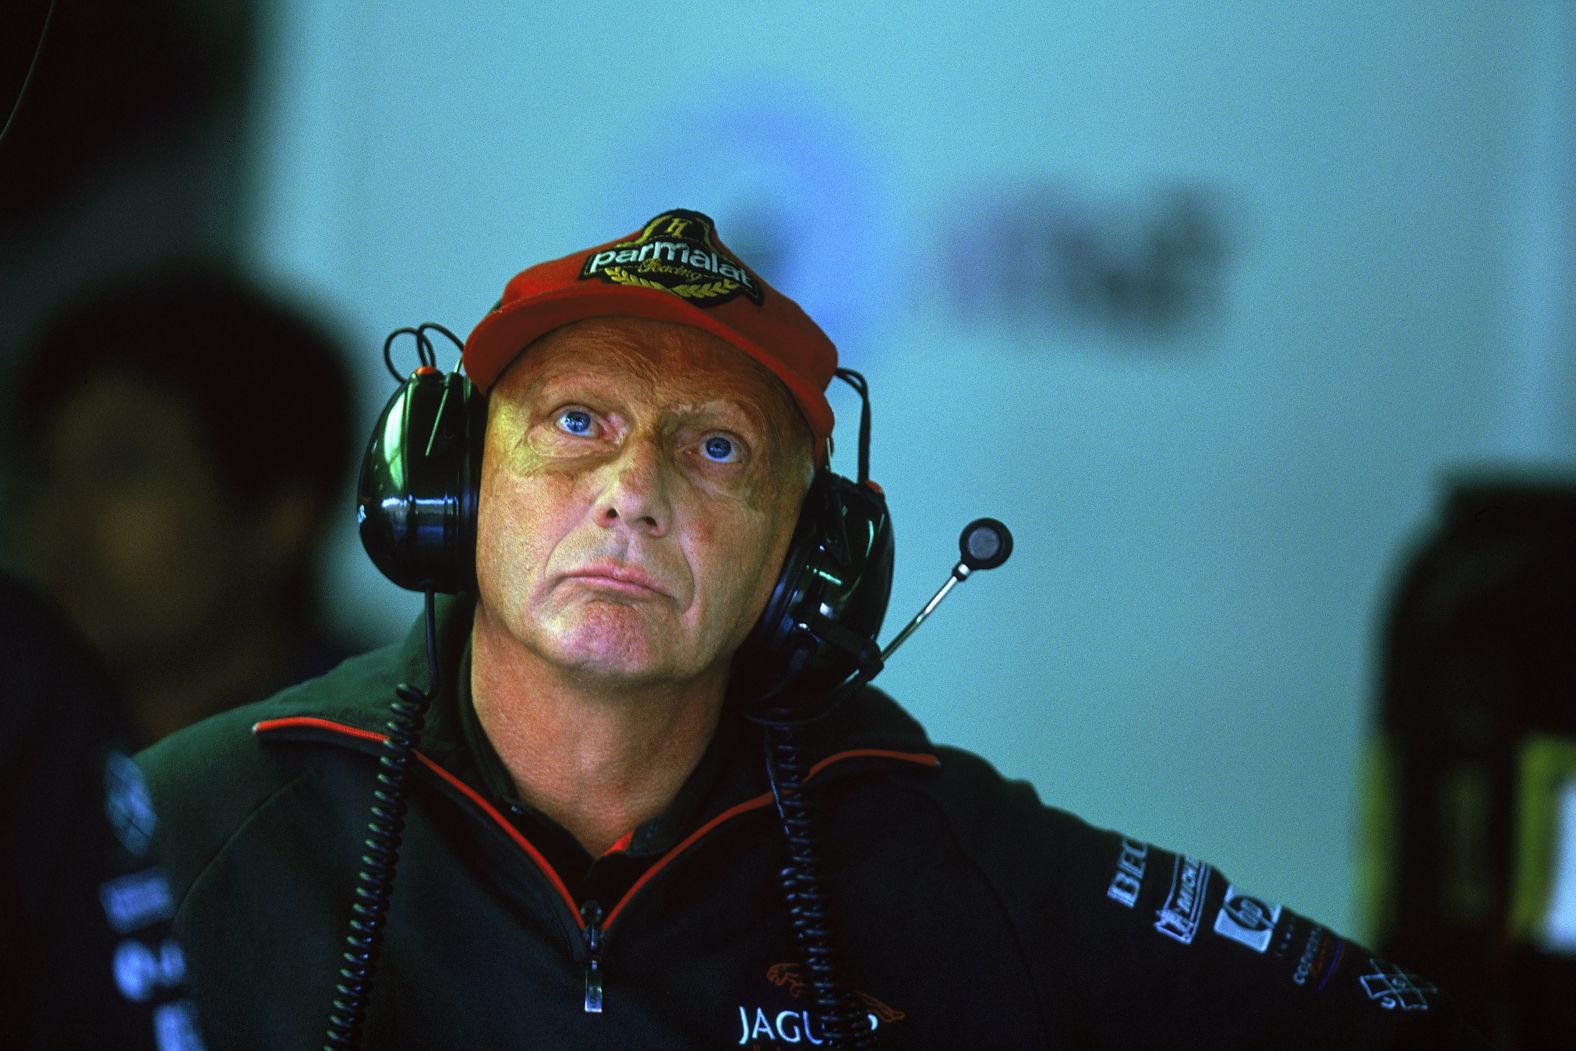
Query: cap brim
{"points": [[503, 334]]}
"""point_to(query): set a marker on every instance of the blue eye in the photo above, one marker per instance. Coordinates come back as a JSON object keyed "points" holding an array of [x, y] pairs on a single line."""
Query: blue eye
{"points": [[575, 421], [719, 449]]}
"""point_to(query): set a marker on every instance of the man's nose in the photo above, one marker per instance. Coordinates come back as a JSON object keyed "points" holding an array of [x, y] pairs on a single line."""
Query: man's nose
{"points": [[635, 488]]}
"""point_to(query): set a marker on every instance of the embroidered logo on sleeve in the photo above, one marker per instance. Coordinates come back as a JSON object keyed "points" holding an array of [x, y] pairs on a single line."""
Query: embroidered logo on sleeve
{"points": [[1179, 916], [1246, 919], [1391, 987], [1321, 955], [1129, 877], [128, 805], [137, 900]]}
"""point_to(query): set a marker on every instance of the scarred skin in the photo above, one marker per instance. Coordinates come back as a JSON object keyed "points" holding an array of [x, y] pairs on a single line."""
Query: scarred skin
{"points": [[639, 488]]}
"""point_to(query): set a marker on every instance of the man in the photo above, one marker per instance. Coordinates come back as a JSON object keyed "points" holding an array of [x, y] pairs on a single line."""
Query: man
{"points": [[183, 438], [591, 858]]}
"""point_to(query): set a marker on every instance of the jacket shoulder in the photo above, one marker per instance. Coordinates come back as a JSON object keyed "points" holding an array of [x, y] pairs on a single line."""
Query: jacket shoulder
{"points": [[207, 780], [995, 814], [349, 693]]}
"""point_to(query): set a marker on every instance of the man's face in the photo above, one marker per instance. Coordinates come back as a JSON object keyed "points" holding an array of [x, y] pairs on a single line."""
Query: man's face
{"points": [[640, 484]]}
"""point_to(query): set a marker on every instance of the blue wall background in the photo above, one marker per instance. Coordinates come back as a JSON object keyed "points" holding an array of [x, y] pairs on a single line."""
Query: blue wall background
{"points": [[1204, 305]]}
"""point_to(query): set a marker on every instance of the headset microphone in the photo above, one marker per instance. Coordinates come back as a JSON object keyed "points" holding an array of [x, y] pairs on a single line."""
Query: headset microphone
{"points": [[984, 544]]}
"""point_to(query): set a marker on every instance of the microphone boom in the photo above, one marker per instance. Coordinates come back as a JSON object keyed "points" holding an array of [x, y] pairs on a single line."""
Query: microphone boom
{"points": [[984, 544]]}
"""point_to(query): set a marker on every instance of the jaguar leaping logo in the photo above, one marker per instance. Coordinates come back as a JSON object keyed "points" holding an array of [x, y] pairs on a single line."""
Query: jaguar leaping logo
{"points": [[791, 977]]}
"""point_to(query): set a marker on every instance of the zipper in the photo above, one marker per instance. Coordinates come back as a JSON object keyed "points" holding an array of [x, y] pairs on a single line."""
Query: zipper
{"points": [[591, 914], [591, 917]]}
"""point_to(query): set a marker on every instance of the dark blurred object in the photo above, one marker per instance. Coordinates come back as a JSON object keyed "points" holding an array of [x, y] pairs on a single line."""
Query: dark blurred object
{"points": [[184, 443], [86, 918], [1478, 717], [131, 146], [109, 76]]}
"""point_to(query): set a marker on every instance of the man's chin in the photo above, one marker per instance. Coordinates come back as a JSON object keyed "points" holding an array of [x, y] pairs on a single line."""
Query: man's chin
{"points": [[614, 645], [620, 653]]}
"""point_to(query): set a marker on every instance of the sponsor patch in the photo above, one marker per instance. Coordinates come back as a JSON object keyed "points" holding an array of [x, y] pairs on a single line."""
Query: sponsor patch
{"points": [[1320, 954], [1129, 877], [676, 252], [175, 1027], [793, 1026], [127, 804], [1391, 987], [1246, 919], [1179, 916], [140, 972], [137, 900]]}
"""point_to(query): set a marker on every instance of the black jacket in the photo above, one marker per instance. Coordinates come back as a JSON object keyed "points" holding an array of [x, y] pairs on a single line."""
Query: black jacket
{"points": [[969, 913]]}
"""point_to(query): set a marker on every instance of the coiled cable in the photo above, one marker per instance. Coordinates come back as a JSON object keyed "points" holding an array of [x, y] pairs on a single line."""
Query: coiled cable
{"points": [[375, 882], [844, 1023]]}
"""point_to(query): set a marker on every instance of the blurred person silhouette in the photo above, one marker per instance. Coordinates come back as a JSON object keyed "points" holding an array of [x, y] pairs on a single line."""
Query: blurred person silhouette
{"points": [[85, 920], [1472, 792], [184, 437]]}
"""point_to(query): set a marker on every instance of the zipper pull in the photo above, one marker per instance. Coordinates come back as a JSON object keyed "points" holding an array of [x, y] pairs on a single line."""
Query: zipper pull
{"points": [[591, 913]]}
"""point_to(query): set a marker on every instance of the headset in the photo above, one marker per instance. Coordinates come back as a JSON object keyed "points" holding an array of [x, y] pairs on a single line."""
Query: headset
{"points": [[815, 641]]}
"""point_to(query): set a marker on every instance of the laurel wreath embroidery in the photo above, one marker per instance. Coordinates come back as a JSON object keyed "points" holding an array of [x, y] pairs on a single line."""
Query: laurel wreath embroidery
{"points": [[706, 290]]}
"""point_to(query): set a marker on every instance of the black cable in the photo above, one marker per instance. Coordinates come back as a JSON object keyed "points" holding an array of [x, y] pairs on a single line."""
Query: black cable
{"points": [[422, 332], [388, 345], [375, 882], [857, 381], [425, 354], [844, 1023], [27, 78]]}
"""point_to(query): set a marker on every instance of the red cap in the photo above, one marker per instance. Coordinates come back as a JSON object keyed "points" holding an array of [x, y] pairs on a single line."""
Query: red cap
{"points": [[672, 269]]}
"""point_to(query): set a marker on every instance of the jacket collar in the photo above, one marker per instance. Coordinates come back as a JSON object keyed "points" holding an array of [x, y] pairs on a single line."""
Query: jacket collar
{"points": [[355, 699]]}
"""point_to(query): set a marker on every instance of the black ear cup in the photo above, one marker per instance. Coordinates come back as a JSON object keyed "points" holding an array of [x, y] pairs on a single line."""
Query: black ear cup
{"points": [[416, 500], [821, 621]]}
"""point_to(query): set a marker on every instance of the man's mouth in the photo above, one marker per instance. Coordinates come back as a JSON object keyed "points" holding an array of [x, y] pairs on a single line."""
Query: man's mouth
{"points": [[615, 576]]}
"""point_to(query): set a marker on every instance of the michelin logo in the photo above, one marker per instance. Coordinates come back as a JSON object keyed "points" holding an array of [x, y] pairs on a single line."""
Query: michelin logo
{"points": [[1246, 919], [1178, 917]]}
